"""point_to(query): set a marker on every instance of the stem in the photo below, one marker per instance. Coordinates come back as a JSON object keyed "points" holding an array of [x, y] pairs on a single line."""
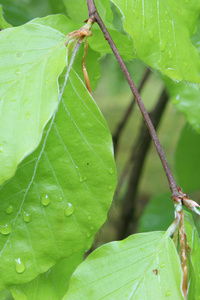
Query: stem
{"points": [[127, 114], [94, 16]]}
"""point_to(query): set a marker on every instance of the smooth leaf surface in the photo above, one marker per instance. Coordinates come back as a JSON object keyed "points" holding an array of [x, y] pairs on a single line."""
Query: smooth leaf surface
{"points": [[187, 161], [32, 58], [143, 266], [194, 255], [51, 285], [60, 194], [161, 31], [158, 214]]}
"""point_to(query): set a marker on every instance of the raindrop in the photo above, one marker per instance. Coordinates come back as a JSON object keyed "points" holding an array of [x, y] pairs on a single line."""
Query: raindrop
{"points": [[45, 200], [17, 72], [1, 148], [27, 115], [150, 34], [168, 293], [111, 171], [26, 216], [81, 179], [19, 54], [9, 209], [91, 228], [89, 218], [69, 210], [163, 45], [88, 234], [85, 178], [25, 101], [19, 265], [60, 199], [162, 265], [110, 187], [170, 55], [6, 229]]}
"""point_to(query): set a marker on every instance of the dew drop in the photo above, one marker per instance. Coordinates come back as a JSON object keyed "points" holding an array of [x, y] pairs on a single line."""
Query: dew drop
{"points": [[45, 200], [25, 101], [80, 179], [163, 45], [17, 72], [91, 228], [27, 115], [88, 234], [1, 148], [85, 178], [69, 210], [6, 229], [60, 199], [170, 55], [110, 187], [19, 54], [26, 217], [19, 266], [111, 171], [162, 265], [9, 209], [168, 293], [150, 34], [89, 218]]}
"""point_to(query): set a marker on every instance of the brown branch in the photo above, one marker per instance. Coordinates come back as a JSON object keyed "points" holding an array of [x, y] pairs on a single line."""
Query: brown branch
{"points": [[94, 16], [125, 118], [129, 216]]}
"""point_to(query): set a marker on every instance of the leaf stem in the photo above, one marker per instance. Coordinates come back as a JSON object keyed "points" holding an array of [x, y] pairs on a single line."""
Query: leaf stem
{"points": [[94, 16]]}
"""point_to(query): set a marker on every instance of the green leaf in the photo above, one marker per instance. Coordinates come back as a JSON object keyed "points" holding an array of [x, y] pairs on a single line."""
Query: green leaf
{"points": [[187, 161], [3, 23], [123, 43], [194, 257], [18, 12], [161, 31], [143, 266], [32, 57], [158, 214], [50, 285], [78, 11], [186, 98], [65, 25], [60, 194]]}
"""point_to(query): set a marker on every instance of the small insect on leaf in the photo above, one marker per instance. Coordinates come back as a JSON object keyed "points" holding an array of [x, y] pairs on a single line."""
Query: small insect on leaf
{"points": [[155, 271]]}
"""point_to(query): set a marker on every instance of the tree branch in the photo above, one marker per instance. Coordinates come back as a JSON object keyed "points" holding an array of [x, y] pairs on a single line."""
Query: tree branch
{"points": [[129, 216], [127, 113], [94, 16]]}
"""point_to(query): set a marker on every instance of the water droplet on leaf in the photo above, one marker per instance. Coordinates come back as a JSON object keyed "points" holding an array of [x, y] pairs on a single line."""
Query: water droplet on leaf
{"points": [[27, 115], [19, 266], [45, 200], [168, 293], [17, 72], [162, 265], [60, 199], [1, 148], [69, 210], [91, 228], [110, 187], [170, 55], [26, 216], [89, 218], [88, 234], [6, 229], [9, 209], [81, 179], [111, 171], [25, 101]]}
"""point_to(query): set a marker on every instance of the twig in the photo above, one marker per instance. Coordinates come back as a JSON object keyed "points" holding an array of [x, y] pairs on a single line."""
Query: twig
{"points": [[129, 217], [117, 134], [94, 16]]}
